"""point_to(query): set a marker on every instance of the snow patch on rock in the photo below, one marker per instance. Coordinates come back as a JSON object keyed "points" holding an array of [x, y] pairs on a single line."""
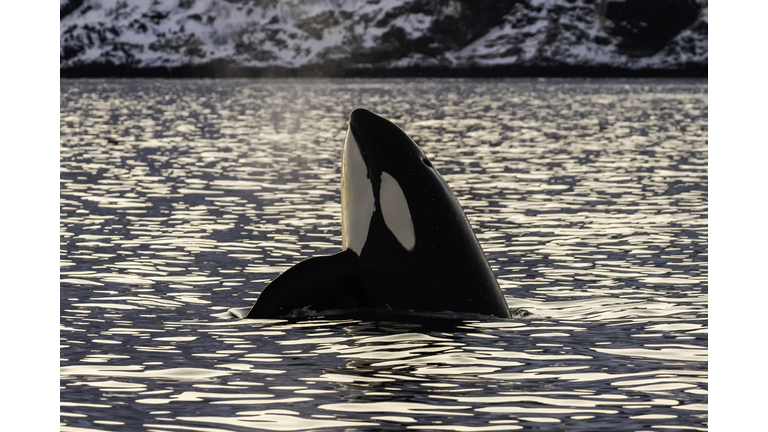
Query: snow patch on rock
{"points": [[362, 33]]}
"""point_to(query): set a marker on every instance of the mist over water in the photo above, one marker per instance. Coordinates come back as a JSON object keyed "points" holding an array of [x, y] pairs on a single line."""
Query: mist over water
{"points": [[181, 199]]}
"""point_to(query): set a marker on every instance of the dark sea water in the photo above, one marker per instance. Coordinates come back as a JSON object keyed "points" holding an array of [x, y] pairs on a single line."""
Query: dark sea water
{"points": [[183, 199]]}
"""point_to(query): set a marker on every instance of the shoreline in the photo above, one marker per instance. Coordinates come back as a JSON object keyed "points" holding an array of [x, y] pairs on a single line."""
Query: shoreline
{"points": [[224, 70]]}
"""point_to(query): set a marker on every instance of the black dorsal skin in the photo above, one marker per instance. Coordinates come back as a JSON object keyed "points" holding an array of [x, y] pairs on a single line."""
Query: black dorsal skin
{"points": [[445, 271]]}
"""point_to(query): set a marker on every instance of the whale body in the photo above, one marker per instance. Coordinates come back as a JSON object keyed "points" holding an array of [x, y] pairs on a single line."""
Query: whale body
{"points": [[407, 246]]}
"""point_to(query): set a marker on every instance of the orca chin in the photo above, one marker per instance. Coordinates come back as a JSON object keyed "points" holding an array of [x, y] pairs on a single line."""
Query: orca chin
{"points": [[407, 246]]}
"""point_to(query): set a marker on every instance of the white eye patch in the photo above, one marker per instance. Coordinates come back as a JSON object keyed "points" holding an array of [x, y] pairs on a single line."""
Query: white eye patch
{"points": [[394, 208], [357, 203]]}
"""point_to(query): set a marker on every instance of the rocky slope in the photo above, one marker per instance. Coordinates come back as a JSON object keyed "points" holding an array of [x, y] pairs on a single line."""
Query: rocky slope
{"points": [[366, 34]]}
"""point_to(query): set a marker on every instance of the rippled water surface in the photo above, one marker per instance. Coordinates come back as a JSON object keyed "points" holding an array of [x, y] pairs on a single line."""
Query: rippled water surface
{"points": [[183, 199]]}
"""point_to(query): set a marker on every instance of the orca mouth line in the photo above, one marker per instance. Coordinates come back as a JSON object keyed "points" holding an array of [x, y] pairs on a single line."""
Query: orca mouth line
{"points": [[364, 149]]}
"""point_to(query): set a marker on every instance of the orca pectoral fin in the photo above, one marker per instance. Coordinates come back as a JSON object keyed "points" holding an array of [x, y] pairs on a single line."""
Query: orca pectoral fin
{"points": [[320, 283]]}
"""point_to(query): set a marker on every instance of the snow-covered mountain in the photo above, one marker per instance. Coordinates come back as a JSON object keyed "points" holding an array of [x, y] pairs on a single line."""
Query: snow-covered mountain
{"points": [[363, 34]]}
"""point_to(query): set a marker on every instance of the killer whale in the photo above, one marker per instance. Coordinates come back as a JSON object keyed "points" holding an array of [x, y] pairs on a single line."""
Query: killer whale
{"points": [[406, 244]]}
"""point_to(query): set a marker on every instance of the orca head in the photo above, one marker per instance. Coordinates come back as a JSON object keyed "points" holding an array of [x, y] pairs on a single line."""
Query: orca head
{"points": [[407, 245], [382, 170]]}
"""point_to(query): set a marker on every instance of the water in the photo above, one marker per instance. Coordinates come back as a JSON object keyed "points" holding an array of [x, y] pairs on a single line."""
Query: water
{"points": [[183, 199]]}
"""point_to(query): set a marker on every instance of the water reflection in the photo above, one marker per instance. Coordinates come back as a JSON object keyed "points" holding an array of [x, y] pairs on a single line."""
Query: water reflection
{"points": [[182, 199]]}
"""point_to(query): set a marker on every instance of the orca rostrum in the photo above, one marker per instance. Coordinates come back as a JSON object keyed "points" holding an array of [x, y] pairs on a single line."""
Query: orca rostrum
{"points": [[407, 245]]}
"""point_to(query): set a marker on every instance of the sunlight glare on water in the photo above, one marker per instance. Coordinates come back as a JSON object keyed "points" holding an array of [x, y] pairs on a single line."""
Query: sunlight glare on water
{"points": [[181, 199]]}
